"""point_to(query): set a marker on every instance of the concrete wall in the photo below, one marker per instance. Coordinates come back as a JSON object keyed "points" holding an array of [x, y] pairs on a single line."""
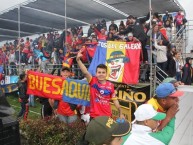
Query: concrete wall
{"points": [[184, 119]]}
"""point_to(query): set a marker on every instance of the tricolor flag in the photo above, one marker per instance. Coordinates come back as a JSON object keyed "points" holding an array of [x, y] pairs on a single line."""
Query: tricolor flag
{"points": [[122, 60]]}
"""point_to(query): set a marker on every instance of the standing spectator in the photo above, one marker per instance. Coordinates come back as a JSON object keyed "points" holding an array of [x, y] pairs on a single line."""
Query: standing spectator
{"points": [[55, 61], [146, 122], [31, 101], [46, 109], [99, 25], [90, 31], [100, 34], [187, 72], [12, 64], [44, 62], [65, 111], [156, 17], [161, 55], [121, 26], [113, 26], [69, 37], [2, 59], [61, 56], [167, 17], [23, 97], [103, 22], [42, 41], [101, 91], [168, 28], [110, 37], [167, 98], [171, 67], [136, 26], [178, 66], [2, 56], [156, 35], [178, 21]]}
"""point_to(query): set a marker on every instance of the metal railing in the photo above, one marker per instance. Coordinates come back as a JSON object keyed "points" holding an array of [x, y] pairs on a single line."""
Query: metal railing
{"points": [[16, 69]]}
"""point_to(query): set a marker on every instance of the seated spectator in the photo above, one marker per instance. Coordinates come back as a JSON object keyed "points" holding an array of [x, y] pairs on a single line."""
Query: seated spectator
{"points": [[146, 122], [105, 131], [166, 99]]}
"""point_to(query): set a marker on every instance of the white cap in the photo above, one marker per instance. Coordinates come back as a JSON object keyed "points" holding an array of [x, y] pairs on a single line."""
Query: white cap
{"points": [[130, 34], [146, 111], [85, 35], [93, 34]]}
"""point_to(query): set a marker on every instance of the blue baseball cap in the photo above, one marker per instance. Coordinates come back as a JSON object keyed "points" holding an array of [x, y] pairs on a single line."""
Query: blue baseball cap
{"points": [[167, 89]]}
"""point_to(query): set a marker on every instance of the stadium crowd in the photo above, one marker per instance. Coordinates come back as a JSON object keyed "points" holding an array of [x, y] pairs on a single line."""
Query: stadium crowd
{"points": [[72, 50]]}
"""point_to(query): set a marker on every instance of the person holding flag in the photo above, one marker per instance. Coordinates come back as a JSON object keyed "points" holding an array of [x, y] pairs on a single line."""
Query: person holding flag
{"points": [[101, 90]]}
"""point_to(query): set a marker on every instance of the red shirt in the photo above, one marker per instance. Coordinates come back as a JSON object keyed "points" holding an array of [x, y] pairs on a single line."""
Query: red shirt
{"points": [[101, 94], [69, 39], [99, 35], [64, 109], [179, 19]]}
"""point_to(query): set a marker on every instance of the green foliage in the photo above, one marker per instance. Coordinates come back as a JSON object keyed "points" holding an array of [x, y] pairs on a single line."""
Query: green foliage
{"points": [[51, 132]]}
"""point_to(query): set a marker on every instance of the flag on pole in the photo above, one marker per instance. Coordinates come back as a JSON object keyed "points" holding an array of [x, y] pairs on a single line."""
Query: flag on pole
{"points": [[122, 60]]}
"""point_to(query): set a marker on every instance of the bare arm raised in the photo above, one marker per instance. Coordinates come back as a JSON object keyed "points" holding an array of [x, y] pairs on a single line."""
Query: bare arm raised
{"points": [[82, 66]]}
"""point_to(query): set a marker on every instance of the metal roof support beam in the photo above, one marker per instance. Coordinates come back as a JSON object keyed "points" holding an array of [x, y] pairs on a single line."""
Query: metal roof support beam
{"points": [[111, 7], [8, 36], [28, 24], [54, 14], [14, 31]]}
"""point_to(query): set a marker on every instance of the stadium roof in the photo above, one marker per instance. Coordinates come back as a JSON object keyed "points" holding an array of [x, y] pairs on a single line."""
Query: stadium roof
{"points": [[41, 16]]}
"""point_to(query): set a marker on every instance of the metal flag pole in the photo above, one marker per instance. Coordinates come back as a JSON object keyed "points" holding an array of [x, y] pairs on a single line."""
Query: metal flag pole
{"points": [[151, 67], [65, 23], [19, 35]]}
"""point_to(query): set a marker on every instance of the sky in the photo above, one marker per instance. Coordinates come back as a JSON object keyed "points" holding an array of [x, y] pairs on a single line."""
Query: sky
{"points": [[5, 4], [186, 4]]}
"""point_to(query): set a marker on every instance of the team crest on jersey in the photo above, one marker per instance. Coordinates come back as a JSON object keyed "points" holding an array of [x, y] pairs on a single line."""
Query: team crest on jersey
{"points": [[101, 92]]}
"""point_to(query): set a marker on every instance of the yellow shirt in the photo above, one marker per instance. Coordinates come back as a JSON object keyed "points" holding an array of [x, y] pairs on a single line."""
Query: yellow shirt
{"points": [[156, 105]]}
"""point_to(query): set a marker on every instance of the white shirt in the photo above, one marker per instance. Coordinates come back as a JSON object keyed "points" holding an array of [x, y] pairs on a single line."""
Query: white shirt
{"points": [[140, 136]]}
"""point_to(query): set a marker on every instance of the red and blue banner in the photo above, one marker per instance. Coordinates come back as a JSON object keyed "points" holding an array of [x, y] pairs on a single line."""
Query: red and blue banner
{"points": [[77, 92], [122, 60], [58, 88]]}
